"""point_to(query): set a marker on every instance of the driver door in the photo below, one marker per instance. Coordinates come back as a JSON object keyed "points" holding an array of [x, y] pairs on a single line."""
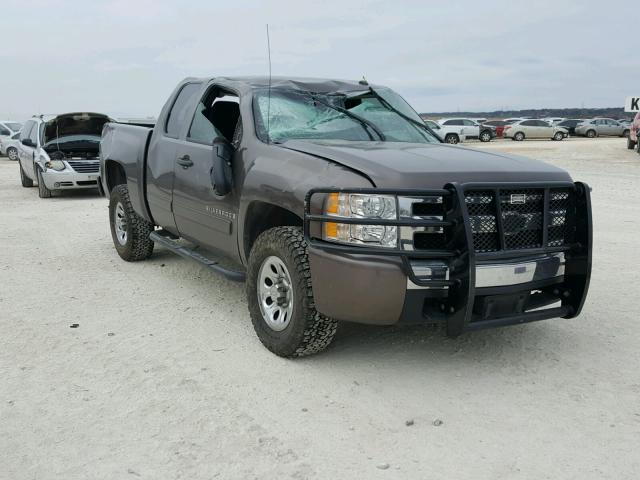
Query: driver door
{"points": [[27, 154], [201, 216]]}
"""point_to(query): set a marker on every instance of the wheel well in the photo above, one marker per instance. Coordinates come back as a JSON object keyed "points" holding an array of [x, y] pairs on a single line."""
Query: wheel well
{"points": [[115, 174], [262, 216]]}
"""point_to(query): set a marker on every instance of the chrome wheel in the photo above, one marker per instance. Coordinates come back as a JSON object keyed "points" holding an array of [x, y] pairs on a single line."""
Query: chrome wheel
{"points": [[120, 221], [12, 153], [275, 294]]}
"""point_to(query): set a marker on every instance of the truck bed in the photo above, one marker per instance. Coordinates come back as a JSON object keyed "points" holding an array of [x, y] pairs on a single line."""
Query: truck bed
{"points": [[127, 144]]}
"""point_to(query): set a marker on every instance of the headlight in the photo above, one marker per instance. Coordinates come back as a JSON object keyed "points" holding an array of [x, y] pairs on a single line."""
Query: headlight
{"points": [[353, 205], [57, 165]]}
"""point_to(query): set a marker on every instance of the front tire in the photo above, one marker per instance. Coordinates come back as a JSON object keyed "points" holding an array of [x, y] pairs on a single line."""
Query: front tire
{"points": [[43, 191], [558, 136], [452, 139], [26, 181], [280, 296], [591, 134], [630, 144], [518, 137], [12, 153], [485, 136], [625, 133], [129, 231]]}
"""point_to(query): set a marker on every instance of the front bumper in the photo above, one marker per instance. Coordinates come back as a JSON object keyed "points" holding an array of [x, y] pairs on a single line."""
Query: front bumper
{"points": [[460, 288], [69, 180]]}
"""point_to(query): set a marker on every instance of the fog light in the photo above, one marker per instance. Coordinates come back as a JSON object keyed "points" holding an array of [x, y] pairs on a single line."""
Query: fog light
{"points": [[57, 184]]}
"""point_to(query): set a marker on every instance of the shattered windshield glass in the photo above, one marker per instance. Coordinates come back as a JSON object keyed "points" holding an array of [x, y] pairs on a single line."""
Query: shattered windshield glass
{"points": [[357, 116]]}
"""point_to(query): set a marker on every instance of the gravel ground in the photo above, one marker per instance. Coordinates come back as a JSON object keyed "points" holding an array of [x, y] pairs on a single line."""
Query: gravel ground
{"points": [[164, 378]]}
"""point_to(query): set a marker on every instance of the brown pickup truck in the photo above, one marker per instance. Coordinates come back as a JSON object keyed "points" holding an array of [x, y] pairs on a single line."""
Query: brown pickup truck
{"points": [[333, 201]]}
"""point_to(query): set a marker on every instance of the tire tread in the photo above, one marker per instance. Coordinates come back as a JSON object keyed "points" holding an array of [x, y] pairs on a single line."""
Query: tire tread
{"points": [[319, 330]]}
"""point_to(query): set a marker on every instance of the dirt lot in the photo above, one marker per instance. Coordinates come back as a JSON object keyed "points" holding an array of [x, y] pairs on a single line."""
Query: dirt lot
{"points": [[164, 377]]}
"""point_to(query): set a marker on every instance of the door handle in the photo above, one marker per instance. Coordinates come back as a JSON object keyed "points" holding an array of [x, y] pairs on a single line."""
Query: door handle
{"points": [[185, 161]]}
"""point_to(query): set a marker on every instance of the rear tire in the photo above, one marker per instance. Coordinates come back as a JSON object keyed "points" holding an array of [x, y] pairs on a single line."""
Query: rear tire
{"points": [[129, 231], [518, 137], [306, 331], [43, 191], [625, 133], [452, 138], [26, 181], [630, 144], [12, 153], [591, 134]]}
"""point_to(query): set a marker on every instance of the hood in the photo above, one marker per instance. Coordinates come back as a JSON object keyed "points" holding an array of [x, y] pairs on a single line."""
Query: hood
{"points": [[411, 165], [82, 124]]}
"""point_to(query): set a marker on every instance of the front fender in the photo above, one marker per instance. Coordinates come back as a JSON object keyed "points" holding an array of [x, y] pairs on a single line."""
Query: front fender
{"points": [[283, 177]]}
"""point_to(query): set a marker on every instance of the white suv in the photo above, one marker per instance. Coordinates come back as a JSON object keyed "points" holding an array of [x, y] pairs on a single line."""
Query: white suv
{"points": [[471, 129], [447, 134]]}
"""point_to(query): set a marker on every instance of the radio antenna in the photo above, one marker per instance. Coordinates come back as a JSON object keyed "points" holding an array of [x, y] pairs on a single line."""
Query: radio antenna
{"points": [[269, 91]]}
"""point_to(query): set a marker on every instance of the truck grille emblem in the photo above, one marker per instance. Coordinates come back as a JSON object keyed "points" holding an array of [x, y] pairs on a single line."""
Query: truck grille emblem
{"points": [[518, 199]]}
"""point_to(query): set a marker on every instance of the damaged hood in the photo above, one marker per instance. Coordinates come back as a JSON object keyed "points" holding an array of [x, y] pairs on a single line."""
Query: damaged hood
{"points": [[412, 165], [80, 130]]}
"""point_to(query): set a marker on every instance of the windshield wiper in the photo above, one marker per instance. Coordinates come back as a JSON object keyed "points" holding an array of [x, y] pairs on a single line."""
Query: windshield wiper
{"points": [[384, 102], [366, 124]]}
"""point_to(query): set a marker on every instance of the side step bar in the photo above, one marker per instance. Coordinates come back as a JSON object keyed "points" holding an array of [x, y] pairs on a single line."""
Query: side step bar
{"points": [[168, 242]]}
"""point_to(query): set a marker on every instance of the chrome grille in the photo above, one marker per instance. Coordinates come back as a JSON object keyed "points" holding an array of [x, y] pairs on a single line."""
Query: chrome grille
{"points": [[422, 208], [85, 166]]}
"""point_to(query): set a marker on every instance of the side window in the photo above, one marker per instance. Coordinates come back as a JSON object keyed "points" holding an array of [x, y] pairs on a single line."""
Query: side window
{"points": [[469, 123], [454, 122], [4, 131], [179, 110], [528, 123], [542, 123], [217, 115], [26, 130]]}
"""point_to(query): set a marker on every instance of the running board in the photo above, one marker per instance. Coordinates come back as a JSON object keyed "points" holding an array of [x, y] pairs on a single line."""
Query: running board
{"points": [[166, 241]]}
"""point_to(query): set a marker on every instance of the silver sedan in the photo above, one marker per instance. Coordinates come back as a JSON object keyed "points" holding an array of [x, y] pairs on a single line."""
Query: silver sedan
{"points": [[601, 127]]}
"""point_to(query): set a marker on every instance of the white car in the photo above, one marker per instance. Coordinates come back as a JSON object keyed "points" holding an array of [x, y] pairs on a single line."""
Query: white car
{"points": [[553, 120], [534, 129], [448, 134], [9, 147], [471, 128], [8, 128]]}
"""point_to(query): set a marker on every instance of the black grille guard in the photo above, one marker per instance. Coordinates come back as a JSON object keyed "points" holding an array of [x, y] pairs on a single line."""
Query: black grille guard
{"points": [[462, 257]]}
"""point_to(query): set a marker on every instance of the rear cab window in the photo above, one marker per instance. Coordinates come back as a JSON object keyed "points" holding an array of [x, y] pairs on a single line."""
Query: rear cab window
{"points": [[179, 113]]}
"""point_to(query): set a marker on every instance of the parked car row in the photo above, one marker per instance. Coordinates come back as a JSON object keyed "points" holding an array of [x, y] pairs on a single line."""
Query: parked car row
{"points": [[518, 128]]}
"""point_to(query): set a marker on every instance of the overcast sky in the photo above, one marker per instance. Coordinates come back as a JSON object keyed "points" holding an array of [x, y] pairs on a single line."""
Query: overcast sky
{"points": [[123, 57]]}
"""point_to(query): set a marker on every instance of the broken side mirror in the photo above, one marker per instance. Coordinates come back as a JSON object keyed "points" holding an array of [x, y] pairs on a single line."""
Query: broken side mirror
{"points": [[221, 174]]}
